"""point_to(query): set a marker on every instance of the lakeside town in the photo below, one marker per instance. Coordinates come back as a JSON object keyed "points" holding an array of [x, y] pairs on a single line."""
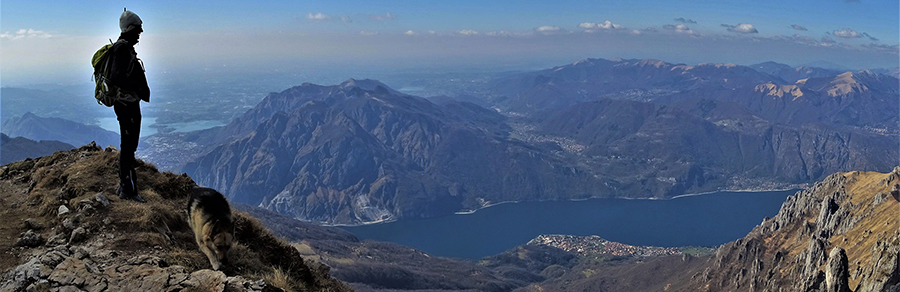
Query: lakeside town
{"points": [[593, 245]]}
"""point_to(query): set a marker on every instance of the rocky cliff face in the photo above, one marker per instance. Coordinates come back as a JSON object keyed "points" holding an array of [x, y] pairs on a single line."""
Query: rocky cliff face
{"points": [[841, 235], [65, 230]]}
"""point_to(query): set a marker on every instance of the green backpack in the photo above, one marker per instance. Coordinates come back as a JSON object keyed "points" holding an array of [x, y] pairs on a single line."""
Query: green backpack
{"points": [[105, 93]]}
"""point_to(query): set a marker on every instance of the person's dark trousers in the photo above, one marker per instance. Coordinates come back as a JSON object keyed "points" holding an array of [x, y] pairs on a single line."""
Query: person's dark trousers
{"points": [[129, 116]]}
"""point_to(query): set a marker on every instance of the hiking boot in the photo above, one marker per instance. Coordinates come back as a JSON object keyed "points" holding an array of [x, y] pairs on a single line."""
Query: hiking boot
{"points": [[132, 196]]}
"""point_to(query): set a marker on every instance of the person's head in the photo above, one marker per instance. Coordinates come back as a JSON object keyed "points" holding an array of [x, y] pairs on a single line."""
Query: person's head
{"points": [[131, 25]]}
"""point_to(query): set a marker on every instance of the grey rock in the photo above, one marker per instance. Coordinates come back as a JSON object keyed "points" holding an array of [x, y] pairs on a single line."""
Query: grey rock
{"points": [[879, 199], [42, 285], [33, 224], [63, 210], [57, 239], [207, 278], [66, 289], [102, 199], [68, 224], [30, 239], [78, 234], [29, 272], [895, 192], [814, 256], [837, 271]]}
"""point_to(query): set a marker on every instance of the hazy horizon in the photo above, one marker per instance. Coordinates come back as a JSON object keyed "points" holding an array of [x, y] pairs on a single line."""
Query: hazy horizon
{"points": [[51, 42]]}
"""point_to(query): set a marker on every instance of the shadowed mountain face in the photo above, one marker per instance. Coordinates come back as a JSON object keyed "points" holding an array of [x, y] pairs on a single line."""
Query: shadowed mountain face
{"points": [[344, 154], [39, 128], [18, 148]]}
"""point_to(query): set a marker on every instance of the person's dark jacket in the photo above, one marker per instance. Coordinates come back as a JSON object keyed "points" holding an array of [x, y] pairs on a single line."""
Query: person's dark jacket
{"points": [[127, 72]]}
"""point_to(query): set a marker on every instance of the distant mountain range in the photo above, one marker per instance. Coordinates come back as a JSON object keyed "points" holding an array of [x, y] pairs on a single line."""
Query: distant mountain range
{"points": [[34, 127], [19, 148], [362, 152]]}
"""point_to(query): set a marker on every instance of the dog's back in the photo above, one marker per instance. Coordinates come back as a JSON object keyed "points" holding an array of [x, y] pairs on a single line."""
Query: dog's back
{"points": [[210, 218]]}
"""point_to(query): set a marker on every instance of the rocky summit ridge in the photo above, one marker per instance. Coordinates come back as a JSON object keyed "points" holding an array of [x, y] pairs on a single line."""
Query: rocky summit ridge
{"points": [[65, 230]]}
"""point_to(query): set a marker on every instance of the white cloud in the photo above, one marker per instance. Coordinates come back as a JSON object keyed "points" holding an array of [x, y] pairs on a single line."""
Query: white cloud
{"points": [[317, 17], [25, 33], [741, 28], [604, 25], [379, 17], [679, 28], [366, 32], [410, 33], [468, 32], [547, 28], [346, 19], [432, 32], [846, 33], [798, 27]]}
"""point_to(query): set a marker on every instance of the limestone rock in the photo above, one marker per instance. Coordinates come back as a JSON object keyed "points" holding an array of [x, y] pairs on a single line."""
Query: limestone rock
{"points": [[102, 199], [895, 192], [78, 234], [837, 274], [63, 210], [30, 239], [880, 198]]}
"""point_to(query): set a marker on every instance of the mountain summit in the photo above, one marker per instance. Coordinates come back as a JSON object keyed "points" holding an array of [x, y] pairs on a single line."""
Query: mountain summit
{"points": [[74, 234]]}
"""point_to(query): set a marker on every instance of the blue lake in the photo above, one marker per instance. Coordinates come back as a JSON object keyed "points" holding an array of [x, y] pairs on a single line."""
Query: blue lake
{"points": [[703, 220]]}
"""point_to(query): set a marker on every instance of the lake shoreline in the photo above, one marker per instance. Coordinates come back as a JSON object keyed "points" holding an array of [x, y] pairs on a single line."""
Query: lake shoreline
{"points": [[486, 206]]}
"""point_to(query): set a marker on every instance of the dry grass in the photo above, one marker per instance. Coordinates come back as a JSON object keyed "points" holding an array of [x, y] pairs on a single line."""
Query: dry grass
{"points": [[282, 280], [38, 187], [880, 224]]}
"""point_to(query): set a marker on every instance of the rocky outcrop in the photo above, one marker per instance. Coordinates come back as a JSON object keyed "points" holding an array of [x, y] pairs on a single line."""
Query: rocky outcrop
{"points": [[842, 214], [837, 274], [100, 243], [78, 268]]}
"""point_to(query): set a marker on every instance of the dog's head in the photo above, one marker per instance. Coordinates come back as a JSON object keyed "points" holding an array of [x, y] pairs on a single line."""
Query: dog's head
{"points": [[220, 241]]}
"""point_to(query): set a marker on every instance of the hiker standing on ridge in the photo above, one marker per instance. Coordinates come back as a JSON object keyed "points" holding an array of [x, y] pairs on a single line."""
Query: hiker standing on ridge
{"points": [[127, 74]]}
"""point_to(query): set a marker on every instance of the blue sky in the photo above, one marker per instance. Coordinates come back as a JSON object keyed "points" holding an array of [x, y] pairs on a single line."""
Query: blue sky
{"points": [[50, 39]]}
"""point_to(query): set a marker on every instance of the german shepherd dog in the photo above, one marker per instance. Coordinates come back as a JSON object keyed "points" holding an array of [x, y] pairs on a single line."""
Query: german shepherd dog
{"points": [[210, 219]]}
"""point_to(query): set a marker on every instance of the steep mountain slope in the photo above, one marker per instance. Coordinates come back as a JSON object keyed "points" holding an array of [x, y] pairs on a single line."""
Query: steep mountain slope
{"points": [[38, 128], [848, 215], [344, 154], [65, 230], [18, 148]]}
